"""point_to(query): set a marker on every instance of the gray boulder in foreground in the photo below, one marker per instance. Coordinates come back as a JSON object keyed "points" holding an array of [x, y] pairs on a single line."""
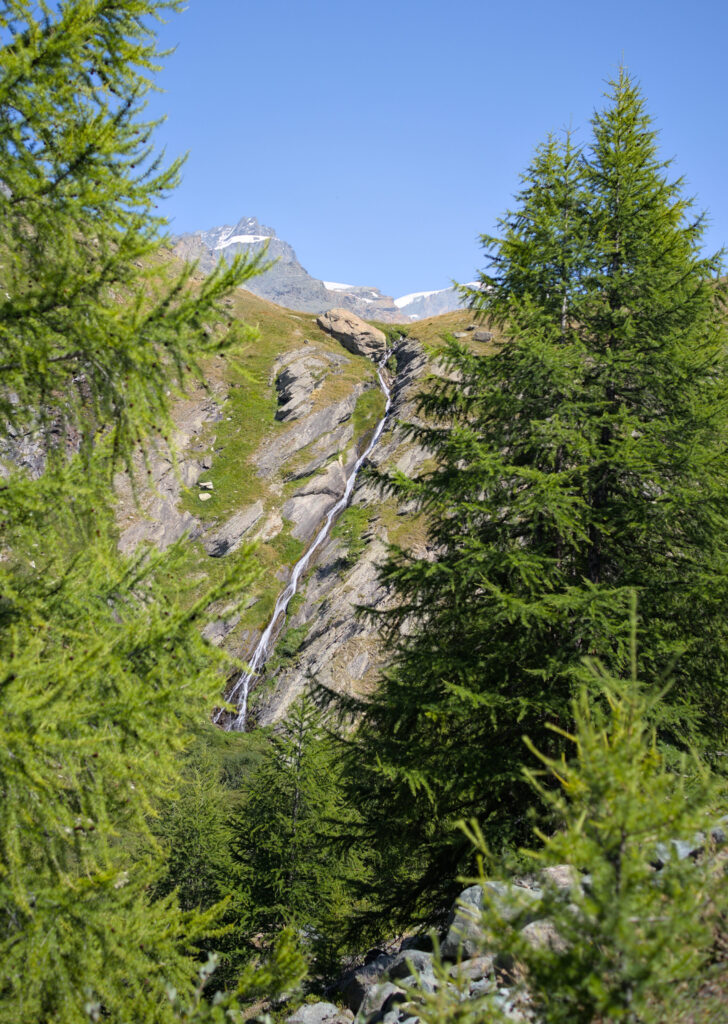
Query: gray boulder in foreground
{"points": [[320, 1013]]}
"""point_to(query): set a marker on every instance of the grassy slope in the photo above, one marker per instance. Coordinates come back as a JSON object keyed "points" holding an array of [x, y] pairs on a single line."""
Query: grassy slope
{"points": [[248, 419]]}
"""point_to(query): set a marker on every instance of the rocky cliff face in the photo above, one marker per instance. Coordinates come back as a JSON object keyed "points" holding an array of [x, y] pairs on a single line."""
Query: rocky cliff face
{"points": [[337, 647], [264, 452]]}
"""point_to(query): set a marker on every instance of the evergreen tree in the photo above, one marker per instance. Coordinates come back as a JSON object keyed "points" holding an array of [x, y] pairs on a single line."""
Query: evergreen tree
{"points": [[287, 866], [633, 937], [102, 664], [585, 458]]}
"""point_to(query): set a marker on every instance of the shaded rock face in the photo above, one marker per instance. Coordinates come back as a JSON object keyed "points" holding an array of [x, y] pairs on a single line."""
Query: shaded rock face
{"points": [[355, 334]]}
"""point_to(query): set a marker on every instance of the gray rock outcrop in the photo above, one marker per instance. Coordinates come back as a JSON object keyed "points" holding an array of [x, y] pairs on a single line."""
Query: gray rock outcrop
{"points": [[311, 502], [157, 517], [355, 334], [343, 650], [229, 536]]}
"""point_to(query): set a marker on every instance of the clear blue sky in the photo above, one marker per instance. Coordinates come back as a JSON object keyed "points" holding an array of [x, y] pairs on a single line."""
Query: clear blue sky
{"points": [[381, 138]]}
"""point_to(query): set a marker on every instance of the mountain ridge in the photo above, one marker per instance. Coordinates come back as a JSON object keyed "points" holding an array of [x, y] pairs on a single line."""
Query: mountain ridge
{"points": [[287, 283]]}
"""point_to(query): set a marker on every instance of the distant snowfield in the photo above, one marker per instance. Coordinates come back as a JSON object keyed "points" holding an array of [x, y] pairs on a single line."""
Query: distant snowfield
{"points": [[405, 300], [334, 286], [243, 239]]}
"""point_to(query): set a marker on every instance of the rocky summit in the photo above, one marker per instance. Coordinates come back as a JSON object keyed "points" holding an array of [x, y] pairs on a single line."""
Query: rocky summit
{"points": [[289, 284]]}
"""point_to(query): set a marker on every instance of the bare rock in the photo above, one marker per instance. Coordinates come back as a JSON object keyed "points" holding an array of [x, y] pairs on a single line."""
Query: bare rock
{"points": [[355, 334], [310, 503], [320, 1013], [482, 336], [295, 384], [272, 454], [355, 983], [543, 935], [410, 961], [230, 535]]}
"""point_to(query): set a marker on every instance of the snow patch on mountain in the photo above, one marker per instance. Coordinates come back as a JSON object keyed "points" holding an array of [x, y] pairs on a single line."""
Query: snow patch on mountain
{"points": [[404, 300], [242, 240]]}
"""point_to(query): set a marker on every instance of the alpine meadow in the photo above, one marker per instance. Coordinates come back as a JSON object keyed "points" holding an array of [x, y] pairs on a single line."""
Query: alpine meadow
{"points": [[352, 672]]}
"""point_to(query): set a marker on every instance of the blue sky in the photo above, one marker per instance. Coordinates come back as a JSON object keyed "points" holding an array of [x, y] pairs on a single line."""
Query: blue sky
{"points": [[381, 138]]}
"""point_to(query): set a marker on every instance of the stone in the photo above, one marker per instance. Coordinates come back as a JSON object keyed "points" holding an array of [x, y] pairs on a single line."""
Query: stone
{"points": [[355, 984], [424, 982], [229, 536], [320, 1013], [476, 968], [560, 876], [355, 334], [543, 935], [482, 336], [718, 832], [411, 961], [204, 496], [465, 936], [481, 987], [680, 849], [207, 485]]}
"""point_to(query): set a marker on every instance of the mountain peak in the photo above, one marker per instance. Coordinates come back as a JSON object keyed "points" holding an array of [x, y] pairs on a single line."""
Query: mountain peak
{"points": [[289, 284]]}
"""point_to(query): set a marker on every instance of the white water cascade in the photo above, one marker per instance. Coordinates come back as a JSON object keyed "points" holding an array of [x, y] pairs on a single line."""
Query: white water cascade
{"points": [[242, 687]]}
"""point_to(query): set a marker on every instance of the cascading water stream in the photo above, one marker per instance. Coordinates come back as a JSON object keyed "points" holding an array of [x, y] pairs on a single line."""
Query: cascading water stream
{"points": [[242, 686]]}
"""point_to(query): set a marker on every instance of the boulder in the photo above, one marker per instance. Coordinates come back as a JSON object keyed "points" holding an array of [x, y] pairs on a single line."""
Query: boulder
{"points": [[474, 969], [381, 997], [410, 961], [230, 535], [355, 984], [510, 902], [320, 1013], [355, 334], [482, 336], [543, 935], [560, 876]]}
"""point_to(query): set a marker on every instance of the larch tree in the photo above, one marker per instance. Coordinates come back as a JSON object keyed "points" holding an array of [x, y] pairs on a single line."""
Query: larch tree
{"points": [[102, 668], [582, 461]]}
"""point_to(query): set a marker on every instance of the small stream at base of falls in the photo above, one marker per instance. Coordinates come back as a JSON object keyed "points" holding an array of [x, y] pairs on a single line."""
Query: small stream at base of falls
{"points": [[241, 689]]}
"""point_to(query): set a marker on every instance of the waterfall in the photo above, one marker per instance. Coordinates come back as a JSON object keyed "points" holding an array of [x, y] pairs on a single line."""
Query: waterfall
{"points": [[242, 686]]}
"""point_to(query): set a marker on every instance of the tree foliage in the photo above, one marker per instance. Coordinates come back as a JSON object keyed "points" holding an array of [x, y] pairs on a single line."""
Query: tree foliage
{"points": [[283, 840], [585, 459], [103, 668], [633, 937]]}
